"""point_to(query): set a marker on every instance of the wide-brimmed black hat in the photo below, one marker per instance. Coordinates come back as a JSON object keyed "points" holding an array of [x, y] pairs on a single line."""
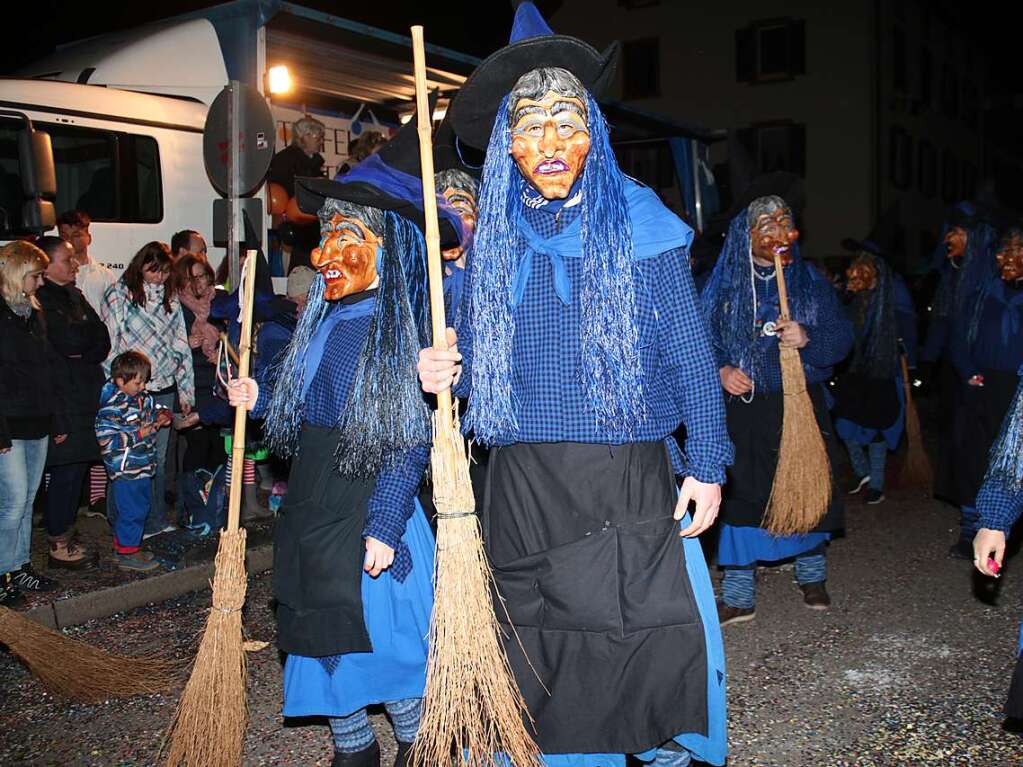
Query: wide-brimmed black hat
{"points": [[391, 179], [448, 150], [532, 45]]}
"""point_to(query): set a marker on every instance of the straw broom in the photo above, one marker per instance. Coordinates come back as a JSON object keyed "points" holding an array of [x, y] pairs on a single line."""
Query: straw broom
{"points": [[916, 469], [801, 492], [472, 709], [79, 671], [209, 726]]}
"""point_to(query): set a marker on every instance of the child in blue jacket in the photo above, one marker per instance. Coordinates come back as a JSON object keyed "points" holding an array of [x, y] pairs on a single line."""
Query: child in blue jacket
{"points": [[126, 427]]}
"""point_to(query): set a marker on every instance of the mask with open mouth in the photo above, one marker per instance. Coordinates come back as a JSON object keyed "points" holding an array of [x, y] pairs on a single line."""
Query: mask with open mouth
{"points": [[773, 233], [347, 257], [955, 243], [1010, 256], [861, 275], [550, 142]]}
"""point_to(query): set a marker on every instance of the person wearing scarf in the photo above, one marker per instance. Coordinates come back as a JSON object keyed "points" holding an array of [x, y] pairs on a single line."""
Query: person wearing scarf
{"points": [[353, 551], [741, 304], [869, 410], [581, 349], [999, 507], [993, 354]]}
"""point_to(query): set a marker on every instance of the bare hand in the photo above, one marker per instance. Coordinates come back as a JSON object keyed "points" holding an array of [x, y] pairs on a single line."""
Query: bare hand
{"points": [[379, 556], [163, 418], [791, 334], [186, 408], [243, 392], [707, 498], [440, 370], [988, 544], [735, 381], [147, 429], [59, 439]]}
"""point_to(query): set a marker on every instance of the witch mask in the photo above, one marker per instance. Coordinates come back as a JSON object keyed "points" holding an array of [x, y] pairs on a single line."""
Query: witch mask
{"points": [[1010, 256], [549, 129], [861, 275], [772, 231], [347, 256], [955, 243], [460, 191]]}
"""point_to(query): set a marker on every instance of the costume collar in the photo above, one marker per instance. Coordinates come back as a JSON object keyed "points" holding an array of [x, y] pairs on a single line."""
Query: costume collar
{"points": [[531, 198]]}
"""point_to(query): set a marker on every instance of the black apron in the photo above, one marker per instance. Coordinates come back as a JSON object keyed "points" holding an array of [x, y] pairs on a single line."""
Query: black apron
{"points": [[978, 422], [755, 430], [587, 558], [872, 403], [950, 405], [319, 553], [1014, 702]]}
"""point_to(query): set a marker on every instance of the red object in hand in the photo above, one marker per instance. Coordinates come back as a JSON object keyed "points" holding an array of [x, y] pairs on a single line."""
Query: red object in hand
{"points": [[164, 417], [993, 566]]}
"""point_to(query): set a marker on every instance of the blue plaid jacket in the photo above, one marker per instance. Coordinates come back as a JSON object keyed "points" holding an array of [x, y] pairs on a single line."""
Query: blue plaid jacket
{"points": [[999, 508], [681, 378]]}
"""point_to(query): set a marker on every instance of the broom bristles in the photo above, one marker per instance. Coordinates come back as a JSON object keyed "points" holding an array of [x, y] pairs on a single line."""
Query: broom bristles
{"points": [[473, 712], [801, 492], [916, 470], [78, 671], [209, 725]]}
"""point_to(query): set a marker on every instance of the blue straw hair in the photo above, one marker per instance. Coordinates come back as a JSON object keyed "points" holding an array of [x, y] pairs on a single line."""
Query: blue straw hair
{"points": [[611, 370], [287, 405], [386, 412], [1005, 463], [876, 354]]}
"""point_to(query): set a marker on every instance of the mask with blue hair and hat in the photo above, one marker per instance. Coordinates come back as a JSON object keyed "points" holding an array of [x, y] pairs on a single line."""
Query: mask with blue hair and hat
{"points": [[371, 223]]}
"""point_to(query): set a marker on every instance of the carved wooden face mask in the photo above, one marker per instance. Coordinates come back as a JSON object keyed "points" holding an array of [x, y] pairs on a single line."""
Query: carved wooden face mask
{"points": [[465, 204], [861, 275], [955, 243], [1010, 258], [773, 233], [550, 142], [347, 257]]}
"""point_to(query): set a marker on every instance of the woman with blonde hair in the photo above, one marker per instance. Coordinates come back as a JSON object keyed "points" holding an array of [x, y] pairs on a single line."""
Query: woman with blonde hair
{"points": [[31, 409]]}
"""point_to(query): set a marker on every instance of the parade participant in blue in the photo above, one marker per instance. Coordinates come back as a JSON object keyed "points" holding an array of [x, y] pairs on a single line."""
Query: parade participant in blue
{"points": [[962, 259], [353, 551], [582, 349], [459, 183], [1000, 505], [869, 410], [741, 304], [993, 355]]}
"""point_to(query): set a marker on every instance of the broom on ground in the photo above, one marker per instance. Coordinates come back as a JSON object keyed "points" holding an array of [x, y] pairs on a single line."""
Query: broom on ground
{"points": [[77, 670], [473, 711], [801, 492], [916, 469], [209, 725]]}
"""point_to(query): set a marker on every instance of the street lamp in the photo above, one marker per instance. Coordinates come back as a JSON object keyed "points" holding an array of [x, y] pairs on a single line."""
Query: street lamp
{"points": [[278, 79]]}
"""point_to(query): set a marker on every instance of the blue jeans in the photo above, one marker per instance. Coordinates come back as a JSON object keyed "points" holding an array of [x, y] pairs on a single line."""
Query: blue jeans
{"points": [[872, 467], [157, 519], [21, 469]]}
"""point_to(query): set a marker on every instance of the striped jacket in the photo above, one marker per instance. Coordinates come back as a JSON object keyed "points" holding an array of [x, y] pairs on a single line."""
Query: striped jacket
{"points": [[126, 454]]}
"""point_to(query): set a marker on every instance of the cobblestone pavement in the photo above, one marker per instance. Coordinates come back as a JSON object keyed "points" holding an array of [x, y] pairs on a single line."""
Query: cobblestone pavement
{"points": [[909, 667]]}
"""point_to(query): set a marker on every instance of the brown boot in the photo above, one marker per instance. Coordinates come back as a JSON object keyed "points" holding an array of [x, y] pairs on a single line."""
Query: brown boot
{"points": [[67, 554]]}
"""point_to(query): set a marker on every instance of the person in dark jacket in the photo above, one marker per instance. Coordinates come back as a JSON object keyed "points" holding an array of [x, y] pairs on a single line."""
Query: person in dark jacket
{"points": [[82, 342], [301, 158], [31, 400]]}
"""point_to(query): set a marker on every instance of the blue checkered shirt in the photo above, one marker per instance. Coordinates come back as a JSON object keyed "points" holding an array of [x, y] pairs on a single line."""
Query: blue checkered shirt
{"points": [[831, 335], [392, 502], [680, 376], [998, 506]]}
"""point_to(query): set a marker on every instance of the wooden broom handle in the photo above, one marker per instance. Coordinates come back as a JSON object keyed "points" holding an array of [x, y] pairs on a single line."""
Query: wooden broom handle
{"points": [[783, 294], [240, 413], [425, 130]]}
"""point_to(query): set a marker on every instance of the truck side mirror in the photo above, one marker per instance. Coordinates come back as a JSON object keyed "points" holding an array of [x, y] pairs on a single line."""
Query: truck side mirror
{"points": [[38, 175]]}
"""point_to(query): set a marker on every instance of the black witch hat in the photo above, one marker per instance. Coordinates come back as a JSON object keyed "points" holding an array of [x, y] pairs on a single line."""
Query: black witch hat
{"points": [[532, 45], [391, 179], [447, 151]]}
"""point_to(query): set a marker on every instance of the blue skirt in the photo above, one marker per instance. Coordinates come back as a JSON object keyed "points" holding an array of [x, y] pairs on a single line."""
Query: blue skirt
{"points": [[398, 621], [741, 546]]}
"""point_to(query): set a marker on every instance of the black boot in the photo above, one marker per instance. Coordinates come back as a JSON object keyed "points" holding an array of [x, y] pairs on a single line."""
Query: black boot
{"points": [[368, 757], [402, 759]]}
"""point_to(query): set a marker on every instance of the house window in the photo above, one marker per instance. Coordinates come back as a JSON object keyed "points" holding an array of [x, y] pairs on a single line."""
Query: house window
{"points": [[778, 146], [641, 68], [770, 50], [900, 155], [900, 67], [949, 177], [927, 169]]}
